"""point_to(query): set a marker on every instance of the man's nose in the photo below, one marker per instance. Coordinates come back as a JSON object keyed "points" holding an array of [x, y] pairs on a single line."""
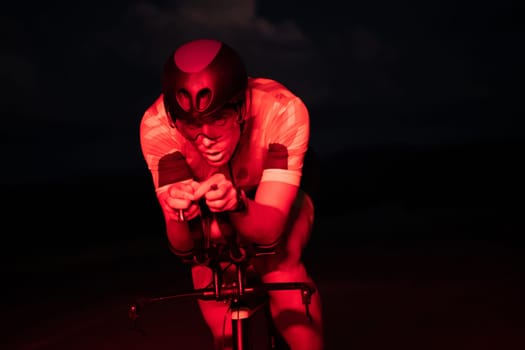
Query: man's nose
{"points": [[204, 138], [207, 142]]}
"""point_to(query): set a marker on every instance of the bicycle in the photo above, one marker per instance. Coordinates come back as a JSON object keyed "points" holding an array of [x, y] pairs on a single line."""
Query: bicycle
{"points": [[245, 299]]}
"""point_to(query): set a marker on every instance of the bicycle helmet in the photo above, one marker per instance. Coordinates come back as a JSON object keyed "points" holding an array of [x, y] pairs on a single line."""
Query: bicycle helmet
{"points": [[200, 77]]}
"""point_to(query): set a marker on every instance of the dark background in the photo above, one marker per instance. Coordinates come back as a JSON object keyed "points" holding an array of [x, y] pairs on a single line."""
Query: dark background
{"points": [[415, 121]]}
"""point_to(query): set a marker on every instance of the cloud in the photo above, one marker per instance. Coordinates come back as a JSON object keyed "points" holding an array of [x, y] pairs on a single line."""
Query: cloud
{"points": [[84, 53], [147, 33]]}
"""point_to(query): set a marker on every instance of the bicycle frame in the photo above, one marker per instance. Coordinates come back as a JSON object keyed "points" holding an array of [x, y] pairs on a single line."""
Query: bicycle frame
{"points": [[237, 293]]}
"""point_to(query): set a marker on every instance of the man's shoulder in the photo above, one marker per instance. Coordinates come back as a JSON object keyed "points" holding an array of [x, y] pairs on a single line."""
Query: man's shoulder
{"points": [[270, 88], [155, 109], [154, 123], [154, 115]]}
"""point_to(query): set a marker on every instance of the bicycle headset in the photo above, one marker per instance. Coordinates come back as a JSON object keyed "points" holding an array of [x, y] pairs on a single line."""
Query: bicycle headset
{"points": [[200, 77]]}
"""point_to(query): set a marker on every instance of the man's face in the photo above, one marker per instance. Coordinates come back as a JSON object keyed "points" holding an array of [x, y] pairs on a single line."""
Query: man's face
{"points": [[214, 137]]}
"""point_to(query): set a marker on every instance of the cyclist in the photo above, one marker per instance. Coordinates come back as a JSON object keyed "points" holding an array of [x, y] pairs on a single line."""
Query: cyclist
{"points": [[239, 143]]}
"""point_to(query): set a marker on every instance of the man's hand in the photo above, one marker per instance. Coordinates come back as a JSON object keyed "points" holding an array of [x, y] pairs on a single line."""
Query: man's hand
{"points": [[178, 200], [219, 192]]}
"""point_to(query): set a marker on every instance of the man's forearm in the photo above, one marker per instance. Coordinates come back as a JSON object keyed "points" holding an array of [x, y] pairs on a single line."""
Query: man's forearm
{"points": [[260, 224], [179, 235]]}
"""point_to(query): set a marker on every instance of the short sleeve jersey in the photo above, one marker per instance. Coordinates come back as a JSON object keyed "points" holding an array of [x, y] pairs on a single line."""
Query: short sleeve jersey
{"points": [[272, 145]]}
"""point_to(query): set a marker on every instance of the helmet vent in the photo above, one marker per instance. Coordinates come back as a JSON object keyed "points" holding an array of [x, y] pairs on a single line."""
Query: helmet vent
{"points": [[203, 99], [184, 99]]}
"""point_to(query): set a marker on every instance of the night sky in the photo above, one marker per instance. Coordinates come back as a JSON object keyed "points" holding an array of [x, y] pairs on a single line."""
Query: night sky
{"points": [[77, 76]]}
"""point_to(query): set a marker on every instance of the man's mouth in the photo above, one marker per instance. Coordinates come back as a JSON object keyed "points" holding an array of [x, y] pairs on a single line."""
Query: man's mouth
{"points": [[213, 156]]}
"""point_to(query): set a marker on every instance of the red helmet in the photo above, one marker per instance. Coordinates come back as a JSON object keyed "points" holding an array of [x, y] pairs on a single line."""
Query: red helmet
{"points": [[200, 77]]}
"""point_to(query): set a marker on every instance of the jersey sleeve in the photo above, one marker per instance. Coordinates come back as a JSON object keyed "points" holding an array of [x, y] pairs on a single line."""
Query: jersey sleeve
{"points": [[161, 150], [288, 137]]}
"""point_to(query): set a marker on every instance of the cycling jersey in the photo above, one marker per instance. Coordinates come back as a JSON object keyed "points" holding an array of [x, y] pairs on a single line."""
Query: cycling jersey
{"points": [[272, 145]]}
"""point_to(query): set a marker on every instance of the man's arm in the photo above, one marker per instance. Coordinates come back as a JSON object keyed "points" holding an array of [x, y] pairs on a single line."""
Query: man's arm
{"points": [[180, 235], [264, 218], [288, 131]]}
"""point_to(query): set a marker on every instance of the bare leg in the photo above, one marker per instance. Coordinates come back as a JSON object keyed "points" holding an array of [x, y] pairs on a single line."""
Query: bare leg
{"points": [[289, 314], [288, 310], [215, 314]]}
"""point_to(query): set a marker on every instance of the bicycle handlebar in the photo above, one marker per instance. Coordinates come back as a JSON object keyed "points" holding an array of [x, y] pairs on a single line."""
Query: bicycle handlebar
{"points": [[227, 293], [233, 252]]}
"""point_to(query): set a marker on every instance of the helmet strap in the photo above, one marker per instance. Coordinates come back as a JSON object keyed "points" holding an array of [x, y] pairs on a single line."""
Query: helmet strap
{"points": [[171, 122], [246, 103]]}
